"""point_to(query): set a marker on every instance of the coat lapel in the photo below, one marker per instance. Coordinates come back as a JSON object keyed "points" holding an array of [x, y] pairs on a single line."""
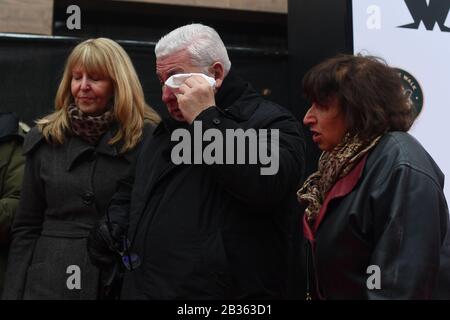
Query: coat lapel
{"points": [[340, 189], [77, 147]]}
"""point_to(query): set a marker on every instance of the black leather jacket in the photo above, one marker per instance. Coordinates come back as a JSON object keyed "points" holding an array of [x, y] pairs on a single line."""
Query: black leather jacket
{"points": [[393, 217]]}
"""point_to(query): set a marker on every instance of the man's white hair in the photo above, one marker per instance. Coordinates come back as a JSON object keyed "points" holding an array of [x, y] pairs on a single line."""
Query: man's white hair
{"points": [[203, 44]]}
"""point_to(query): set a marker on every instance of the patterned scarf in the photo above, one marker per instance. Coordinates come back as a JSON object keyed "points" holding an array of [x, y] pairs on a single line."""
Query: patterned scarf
{"points": [[333, 165], [89, 128]]}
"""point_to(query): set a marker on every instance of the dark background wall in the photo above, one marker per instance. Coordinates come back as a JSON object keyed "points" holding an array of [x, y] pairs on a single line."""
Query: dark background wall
{"points": [[31, 69], [31, 66], [271, 50], [318, 29]]}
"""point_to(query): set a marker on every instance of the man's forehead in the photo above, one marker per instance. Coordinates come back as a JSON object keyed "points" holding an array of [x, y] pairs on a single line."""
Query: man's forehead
{"points": [[168, 68], [177, 59]]}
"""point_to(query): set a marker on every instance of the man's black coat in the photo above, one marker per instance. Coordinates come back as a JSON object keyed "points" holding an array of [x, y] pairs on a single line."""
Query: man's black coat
{"points": [[219, 231]]}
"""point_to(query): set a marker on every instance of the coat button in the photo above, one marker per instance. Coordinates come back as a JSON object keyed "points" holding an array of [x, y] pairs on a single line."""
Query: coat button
{"points": [[216, 121], [88, 198]]}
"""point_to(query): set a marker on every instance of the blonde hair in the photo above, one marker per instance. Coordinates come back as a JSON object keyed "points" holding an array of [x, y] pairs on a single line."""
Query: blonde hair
{"points": [[105, 57]]}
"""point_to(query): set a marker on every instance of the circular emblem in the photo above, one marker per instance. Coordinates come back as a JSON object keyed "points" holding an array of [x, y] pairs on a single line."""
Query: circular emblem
{"points": [[411, 89]]}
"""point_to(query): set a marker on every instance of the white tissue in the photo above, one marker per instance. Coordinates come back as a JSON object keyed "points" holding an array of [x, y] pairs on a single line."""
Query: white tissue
{"points": [[177, 80]]}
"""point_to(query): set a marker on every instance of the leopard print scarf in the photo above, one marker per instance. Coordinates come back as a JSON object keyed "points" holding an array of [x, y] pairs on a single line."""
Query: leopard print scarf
{"points": [[333, 165], [89, 128]]}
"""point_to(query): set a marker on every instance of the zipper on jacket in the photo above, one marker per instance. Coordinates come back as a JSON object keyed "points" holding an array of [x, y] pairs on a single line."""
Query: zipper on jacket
{"points": [[308, 290]]}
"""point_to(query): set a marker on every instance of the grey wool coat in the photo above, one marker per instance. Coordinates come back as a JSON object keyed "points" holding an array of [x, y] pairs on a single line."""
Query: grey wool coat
{"points": [[66, 190]]}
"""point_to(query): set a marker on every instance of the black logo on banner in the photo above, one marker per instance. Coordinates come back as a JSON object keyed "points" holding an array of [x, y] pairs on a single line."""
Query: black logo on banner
{"points": [[435, 12], [412, 90]]}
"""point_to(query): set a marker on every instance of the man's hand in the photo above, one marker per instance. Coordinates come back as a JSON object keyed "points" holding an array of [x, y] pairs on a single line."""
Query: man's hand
{"points": [[195, 95]]}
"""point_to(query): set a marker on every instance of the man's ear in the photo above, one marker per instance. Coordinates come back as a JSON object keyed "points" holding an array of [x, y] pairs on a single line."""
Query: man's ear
{"points": [[218, 72]]}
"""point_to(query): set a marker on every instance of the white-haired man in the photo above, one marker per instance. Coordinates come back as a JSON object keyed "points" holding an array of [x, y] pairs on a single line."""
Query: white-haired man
{"points": [[210, 228]]}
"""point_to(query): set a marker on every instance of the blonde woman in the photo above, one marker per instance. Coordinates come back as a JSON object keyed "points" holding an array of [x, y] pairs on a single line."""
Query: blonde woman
{"points": [[74, 158]]}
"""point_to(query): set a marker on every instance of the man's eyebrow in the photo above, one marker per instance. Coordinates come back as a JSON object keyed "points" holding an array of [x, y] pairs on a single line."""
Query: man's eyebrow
{"points": [[174, 71], [169, 73]]}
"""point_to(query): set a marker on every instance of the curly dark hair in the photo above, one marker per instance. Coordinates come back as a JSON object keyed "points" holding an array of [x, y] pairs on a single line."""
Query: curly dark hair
{"points": [[368, 90]]}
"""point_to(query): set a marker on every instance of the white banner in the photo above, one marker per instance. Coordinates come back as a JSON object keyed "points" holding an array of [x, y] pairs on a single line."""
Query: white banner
{"points": [[414, 36]]}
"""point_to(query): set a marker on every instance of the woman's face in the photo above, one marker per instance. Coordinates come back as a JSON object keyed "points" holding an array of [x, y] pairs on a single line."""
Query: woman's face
{"points": [[92, 92], [327, 124]]}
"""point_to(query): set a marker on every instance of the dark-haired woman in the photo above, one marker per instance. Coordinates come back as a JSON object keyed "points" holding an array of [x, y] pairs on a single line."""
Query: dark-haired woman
{"points": [[376, 218]]}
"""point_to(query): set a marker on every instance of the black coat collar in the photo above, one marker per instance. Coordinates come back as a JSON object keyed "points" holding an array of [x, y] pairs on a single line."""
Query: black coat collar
{"points": [[76, 146], [237, 98]]}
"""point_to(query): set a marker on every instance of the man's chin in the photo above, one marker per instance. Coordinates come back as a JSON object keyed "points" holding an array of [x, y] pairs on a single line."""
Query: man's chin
{"points": [[178, 116], [180, 119]]}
